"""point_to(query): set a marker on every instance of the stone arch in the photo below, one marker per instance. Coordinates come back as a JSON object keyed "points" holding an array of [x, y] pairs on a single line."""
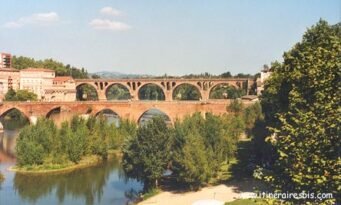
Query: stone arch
{"points": [[191, 95], [223, 90], [85, 84], [106, 112], [26, 115], [156, 93], [153, 112], [49, 113], [126, 96]]}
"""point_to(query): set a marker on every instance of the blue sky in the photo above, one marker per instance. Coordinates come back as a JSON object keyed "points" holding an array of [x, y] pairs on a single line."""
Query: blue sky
{"points": [[160, 36]]}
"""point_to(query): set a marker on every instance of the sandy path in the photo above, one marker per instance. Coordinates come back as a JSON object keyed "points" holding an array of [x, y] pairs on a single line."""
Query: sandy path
{"points": [[221, 192]]}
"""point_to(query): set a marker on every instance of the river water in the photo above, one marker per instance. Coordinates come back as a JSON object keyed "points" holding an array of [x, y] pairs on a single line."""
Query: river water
{"points": [[102, 184]]}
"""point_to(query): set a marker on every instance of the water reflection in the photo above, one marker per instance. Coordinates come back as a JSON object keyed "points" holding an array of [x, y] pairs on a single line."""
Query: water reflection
{"points": [[101, 184], [7, 145], [87, 184]]}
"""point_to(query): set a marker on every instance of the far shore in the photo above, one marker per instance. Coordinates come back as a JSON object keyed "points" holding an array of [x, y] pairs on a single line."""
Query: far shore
{"points": [[85, 162]]}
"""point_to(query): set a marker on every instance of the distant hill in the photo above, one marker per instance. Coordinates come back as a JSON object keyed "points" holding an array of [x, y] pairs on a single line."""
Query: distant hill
{"points": [[113, 75]]}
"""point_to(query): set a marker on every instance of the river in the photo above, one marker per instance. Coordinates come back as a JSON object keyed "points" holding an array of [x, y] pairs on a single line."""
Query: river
{"points": [[102, 184]]}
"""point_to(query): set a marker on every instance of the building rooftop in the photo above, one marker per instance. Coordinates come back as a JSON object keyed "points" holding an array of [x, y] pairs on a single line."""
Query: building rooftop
{"points": [[9, 69], [37, 70], [62, 78]]}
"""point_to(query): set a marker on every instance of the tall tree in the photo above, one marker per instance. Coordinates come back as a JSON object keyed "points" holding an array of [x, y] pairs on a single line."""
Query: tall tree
{"points": [[304, 113], [146, 155]]}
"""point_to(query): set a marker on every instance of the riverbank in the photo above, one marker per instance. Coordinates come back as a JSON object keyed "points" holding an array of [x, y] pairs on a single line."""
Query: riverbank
{"points": [[85, 162], [222, 192]]}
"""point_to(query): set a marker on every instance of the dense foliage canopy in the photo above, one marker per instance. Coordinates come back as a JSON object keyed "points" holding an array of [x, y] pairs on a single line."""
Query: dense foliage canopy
{"points": [[44, 143], [20, 95], [301, 103], [193, 149], [21, 62]]}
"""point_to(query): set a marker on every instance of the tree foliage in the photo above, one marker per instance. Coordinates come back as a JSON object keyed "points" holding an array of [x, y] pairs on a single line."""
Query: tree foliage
{"points": [[20, 95], [301, 107], [21, 62], [44, 143], [193, 149], [146, 155]]}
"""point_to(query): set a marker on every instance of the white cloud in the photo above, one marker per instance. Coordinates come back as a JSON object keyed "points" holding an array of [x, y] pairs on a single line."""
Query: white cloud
{"points": [[106, 24], [42, 19], [110, 11]]}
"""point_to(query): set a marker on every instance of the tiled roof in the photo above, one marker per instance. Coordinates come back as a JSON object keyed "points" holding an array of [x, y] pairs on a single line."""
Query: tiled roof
{"points": [[37, 70], [9, 69], [62, 78]]}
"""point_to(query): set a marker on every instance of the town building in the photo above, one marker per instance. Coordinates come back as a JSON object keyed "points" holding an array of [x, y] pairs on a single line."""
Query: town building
{"points": [[5, 60], [9, 79], [36, 80], [63, 89], [264, 75]]}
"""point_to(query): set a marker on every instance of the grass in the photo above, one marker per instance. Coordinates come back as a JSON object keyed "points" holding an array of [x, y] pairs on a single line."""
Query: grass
{"points": [[151, 193], [69, 166], [86, 161], [247, 202]]}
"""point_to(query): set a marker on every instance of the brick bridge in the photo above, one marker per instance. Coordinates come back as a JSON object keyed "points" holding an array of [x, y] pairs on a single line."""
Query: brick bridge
{"points": [[128, 109], [168, 85]]}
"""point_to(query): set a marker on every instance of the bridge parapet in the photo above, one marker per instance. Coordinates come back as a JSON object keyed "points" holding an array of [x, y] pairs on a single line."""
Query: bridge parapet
{"points": [[168, 85], [125, 109]]}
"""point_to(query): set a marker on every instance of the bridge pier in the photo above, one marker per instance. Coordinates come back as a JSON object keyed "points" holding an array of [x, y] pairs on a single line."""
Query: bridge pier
{"points": [[101, 95], [168, 95]]}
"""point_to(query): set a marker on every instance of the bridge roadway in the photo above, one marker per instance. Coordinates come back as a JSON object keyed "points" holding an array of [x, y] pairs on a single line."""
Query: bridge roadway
{"points": [[132, 110]]}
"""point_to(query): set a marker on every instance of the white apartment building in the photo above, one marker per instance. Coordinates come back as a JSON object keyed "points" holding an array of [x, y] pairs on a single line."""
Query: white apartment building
{"points": [[36, 80]]}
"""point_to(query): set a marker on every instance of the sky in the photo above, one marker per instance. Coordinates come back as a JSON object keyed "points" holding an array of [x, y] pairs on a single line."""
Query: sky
{"points": [[156, 37]]}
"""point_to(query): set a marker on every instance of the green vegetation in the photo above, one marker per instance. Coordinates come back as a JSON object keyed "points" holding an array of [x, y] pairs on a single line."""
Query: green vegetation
{"points": [[86, 92], [22, 62], [13, 119], [151, 92], [20, 95], [194, 149], [146, 155], [225, 91], [48, 147], [2, 178], [247, 202], [301, 104], [118, 92], [186, 92]]}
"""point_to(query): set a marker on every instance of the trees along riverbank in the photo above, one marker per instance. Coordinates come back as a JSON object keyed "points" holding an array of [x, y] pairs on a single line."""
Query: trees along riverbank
{"points": [[299, 140], [193, 150], [43, 147]]}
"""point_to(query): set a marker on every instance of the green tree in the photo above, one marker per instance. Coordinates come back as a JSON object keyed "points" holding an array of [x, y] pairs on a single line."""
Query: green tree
{"points": [[190, 163], [236, 107], [20, 95], [226, 75], [11, 95], [21, 62], [146, 155], [304, 113]]}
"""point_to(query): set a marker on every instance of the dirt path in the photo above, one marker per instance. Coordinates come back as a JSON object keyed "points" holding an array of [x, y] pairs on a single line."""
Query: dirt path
{"points": [[221, 192]]}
